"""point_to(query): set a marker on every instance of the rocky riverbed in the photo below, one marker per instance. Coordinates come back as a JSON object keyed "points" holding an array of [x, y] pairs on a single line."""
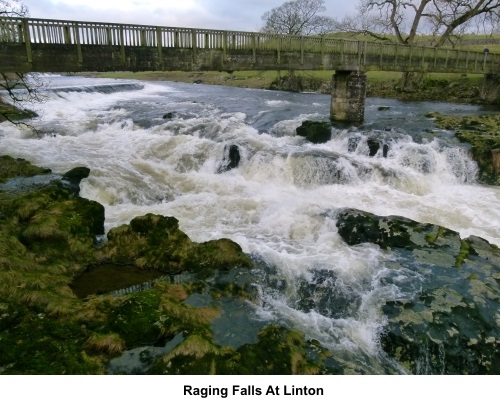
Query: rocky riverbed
{"points": [[170, 322]]}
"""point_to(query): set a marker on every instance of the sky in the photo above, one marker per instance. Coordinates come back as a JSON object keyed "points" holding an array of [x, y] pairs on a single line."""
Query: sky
{"points": [[210, 14]]}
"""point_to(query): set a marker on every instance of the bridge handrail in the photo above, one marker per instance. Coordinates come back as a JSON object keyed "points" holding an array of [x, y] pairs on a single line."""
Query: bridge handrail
{"points": [[49, 31]]}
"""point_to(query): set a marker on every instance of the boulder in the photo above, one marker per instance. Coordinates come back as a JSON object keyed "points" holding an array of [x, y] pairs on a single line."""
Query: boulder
{"points": [[71, 179], [482, 133], [277, 351], [231, 158], [373, 146], [315, 131], [385, 150], [156, 242], [356, 226], [169, 116]]}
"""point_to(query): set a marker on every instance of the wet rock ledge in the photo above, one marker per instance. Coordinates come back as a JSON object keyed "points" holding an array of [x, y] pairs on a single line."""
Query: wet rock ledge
{"points": [[53, 322], [451, 325], [60, 312]]}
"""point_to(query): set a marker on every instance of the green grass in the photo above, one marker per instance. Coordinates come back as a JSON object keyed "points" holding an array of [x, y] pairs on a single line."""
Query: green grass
{"points": [[486, 41], [262, 79], [251, 79]]}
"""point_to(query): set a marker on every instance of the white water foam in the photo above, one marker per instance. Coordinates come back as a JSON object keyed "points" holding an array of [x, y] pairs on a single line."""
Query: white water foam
{"points": [[274, 203]]}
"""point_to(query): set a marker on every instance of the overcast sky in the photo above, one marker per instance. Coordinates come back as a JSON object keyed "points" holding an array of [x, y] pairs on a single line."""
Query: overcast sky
{"points": [[242, 15]]}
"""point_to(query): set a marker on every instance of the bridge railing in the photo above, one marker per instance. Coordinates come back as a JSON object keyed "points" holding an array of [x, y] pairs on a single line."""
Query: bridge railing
{"points": [[360, 53]]}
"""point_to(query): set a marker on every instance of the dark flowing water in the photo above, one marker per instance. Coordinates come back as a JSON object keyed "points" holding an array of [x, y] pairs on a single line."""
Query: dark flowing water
{"points": [[279, 204]]}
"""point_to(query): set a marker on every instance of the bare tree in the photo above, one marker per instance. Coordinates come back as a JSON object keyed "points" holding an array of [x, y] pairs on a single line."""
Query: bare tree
{"points": [[403, 20], [12, 8], [298, 17], [452, 16], [18, 90], [443, 19]]}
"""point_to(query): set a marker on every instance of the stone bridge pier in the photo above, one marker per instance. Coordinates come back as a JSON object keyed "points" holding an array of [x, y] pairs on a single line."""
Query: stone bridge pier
{"points": [[348, 96], [491, 88]]}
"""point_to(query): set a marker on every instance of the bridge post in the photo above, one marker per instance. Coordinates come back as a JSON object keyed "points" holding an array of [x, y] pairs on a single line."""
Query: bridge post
{"points": [[348, 96], [27, 40], [491, 88]]}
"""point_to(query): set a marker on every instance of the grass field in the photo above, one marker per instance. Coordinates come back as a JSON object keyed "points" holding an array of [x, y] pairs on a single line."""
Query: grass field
{"points": [[469, 42], [263, 79]]}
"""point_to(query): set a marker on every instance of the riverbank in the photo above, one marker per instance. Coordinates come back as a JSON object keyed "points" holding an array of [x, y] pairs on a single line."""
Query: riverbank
{"points": [[482, 132], [453, 88]]}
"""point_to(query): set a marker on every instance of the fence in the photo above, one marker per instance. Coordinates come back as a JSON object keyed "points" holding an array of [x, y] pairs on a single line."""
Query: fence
{"points": [[368, 55]]}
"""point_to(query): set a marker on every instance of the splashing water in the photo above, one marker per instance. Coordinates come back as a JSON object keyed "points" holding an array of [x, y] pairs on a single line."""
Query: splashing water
{"points": [[279, 203]]}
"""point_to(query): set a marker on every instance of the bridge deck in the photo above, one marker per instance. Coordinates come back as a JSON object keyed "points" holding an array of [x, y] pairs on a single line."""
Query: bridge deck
{"points": [[64, 46]]}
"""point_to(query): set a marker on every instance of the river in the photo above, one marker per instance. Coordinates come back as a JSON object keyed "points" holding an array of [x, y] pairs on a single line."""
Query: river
{"points": [[279, 204]]}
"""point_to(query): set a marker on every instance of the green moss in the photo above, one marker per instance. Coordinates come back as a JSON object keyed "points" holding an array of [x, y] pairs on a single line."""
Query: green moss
{"points": [[54, 225], [135, 320], [156, 242], [10, 167], [47, 237], [278, 351], [221, 254], [41, 345], [463, 253], [433, 237]]}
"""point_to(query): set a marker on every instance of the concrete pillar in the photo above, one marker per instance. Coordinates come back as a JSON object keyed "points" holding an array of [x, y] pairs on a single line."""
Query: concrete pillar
{"points": [[348, 96], [491, 88]]}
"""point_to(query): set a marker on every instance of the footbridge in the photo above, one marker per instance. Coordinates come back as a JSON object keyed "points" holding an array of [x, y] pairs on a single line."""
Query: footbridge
{"points": [[42, 45]]}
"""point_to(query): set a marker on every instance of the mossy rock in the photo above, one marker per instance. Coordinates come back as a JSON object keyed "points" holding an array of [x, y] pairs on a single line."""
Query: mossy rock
{"points": [[356, 226], [150, 241], [146, 317], [41, 345], [222, 254], [136, 319], [14, 114], [278, 351], [156, 242], [11, 167], [447, 335], [51, 223], [72, 178], [47, 237]]}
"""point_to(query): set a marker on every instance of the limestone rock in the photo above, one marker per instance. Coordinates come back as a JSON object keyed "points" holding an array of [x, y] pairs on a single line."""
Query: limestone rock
{"points": [[356, 226], [449, 324]]}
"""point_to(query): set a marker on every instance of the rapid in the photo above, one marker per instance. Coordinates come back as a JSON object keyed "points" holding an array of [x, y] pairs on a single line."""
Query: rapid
{"points": [[280, 203]]}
